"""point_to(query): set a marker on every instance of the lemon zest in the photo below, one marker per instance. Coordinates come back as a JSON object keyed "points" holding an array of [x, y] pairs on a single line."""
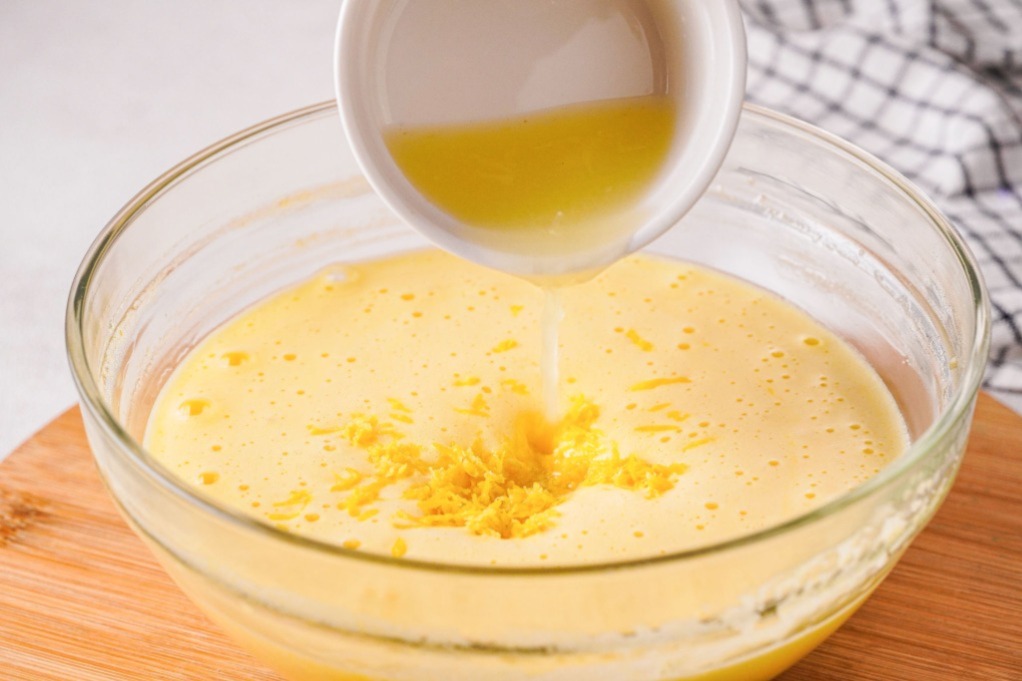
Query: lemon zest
{"points": [[697, 443], [639, 341], [508, 490], [658, 382], [479, 407], [505, 345], [291, 507]]}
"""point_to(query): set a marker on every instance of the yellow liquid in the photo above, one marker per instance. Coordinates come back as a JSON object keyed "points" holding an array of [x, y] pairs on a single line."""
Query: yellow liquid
{"points": [[738, 410], [730, 411], [552, 177]]}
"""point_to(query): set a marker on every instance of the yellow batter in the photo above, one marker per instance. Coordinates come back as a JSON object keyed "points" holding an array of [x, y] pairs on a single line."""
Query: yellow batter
{"points": [[392, 406]]}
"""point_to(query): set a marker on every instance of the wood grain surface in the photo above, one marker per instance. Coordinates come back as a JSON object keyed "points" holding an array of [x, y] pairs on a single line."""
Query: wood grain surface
{"points": [[82, 599]]}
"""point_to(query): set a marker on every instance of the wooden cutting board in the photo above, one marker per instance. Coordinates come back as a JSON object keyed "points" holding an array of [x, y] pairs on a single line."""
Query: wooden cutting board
{"points": [[82, 599]]}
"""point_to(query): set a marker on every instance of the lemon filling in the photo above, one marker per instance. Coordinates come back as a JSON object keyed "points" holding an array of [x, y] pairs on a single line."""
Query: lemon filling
{"points": [[396, 407]]}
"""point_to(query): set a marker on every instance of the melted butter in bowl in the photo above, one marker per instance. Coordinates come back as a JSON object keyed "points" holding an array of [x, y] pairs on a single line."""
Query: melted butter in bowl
{"points": [[555, 183]]}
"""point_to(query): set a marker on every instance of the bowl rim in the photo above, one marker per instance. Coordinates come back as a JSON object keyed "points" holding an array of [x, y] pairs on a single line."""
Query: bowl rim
{"points": [[959, 407]]}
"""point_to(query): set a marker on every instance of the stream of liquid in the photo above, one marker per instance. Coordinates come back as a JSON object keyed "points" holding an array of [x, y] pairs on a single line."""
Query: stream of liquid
{"points": [[558, 180], [553, 313]]}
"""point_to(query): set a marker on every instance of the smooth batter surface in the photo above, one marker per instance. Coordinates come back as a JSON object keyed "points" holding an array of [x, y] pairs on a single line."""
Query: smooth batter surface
{"points": [[392, 407]]}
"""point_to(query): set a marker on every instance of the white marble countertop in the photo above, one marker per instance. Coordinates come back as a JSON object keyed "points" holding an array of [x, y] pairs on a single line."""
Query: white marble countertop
{"points": [[97, 99]]}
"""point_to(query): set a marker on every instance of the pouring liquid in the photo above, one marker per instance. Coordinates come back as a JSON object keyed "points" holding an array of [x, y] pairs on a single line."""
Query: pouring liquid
{"points": [[538, 125], [558, 181]]}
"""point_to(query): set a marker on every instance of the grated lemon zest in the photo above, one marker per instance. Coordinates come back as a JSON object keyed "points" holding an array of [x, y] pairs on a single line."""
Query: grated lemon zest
{"points": [[479, 407], [347, 480], [658, 382], [510, 490], [398, 405], [514, 386], [505, 345], [697, 443], [317, 430], [292, 507], [363, 430], [639, 341]]}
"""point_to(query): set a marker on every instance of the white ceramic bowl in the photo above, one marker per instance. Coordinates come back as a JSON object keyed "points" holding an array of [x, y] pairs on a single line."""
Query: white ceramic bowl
{"points": [[443, 61]]}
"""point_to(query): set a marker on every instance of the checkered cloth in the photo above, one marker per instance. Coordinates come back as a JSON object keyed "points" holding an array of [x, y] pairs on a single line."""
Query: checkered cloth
{"points": [[933, 87]]}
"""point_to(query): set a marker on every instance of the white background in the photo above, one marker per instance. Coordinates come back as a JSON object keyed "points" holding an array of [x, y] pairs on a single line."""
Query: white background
{"points": [[96, 100]]}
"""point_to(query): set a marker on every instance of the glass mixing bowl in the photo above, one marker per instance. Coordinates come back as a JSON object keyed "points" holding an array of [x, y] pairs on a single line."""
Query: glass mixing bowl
{"points": [[794, 211]]}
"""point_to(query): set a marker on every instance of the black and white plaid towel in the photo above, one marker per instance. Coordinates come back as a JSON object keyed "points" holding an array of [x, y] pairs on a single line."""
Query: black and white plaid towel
{"points": [[933, 87]]}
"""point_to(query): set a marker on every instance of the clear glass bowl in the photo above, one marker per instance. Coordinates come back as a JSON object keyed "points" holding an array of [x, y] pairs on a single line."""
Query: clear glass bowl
{"points": [[794, 210]]}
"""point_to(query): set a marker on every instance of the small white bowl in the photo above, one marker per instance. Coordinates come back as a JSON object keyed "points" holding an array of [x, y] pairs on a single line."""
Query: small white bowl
{"points": [[404, 63]]}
